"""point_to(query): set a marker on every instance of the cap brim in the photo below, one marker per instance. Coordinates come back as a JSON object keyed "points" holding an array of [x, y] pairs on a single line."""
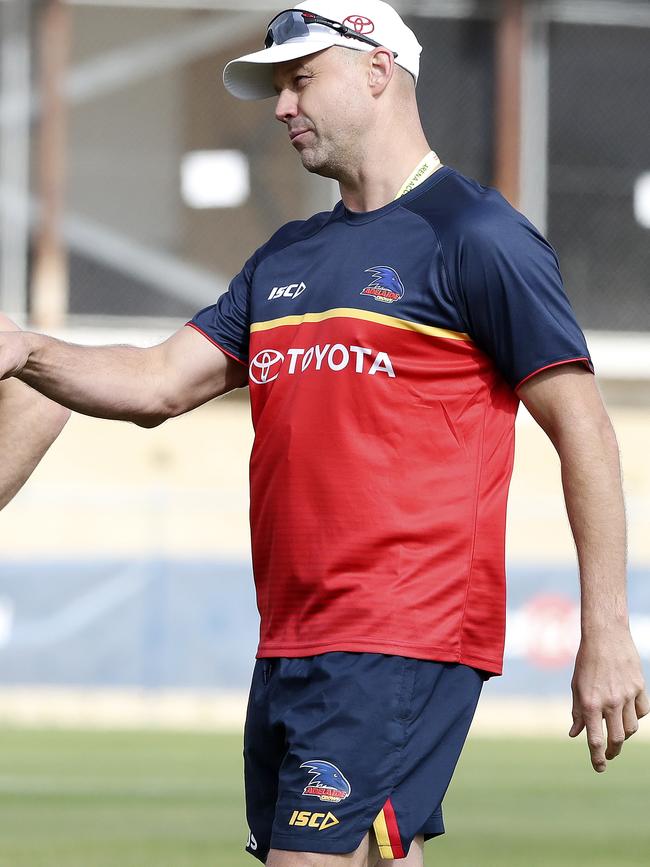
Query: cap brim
{"points": [[251, 76]]}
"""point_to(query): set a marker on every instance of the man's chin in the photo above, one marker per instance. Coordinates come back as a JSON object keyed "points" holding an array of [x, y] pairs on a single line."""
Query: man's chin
{"points": [[315, 164], [309, 159]]}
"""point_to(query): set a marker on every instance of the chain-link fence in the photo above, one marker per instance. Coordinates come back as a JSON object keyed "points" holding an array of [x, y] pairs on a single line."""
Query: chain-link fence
{"points": [[143, 93], [599, 149]]}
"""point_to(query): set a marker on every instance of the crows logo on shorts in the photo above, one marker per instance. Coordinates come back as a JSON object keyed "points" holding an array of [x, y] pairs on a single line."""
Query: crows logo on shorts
{"points": [[386, 285], [327, 782]]}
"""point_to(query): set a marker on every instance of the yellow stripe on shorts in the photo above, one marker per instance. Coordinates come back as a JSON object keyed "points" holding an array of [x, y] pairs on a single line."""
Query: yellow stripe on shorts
{"points": [[383, 840]]}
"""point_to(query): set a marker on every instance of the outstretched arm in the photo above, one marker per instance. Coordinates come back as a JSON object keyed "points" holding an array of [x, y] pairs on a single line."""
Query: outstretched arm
{"points": [[608, 679], [29, 424], [145, 386]]}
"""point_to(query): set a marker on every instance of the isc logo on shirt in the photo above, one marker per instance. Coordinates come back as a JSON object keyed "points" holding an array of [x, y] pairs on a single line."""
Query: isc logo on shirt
{"points": [[291, 291]]}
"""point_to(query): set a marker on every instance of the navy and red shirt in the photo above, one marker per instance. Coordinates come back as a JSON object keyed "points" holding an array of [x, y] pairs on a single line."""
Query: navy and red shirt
{"points": [[384, 353]]}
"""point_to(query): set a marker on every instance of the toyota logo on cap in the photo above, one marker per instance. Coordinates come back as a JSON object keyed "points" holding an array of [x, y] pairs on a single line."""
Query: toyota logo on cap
{"points": [[360, 24]]}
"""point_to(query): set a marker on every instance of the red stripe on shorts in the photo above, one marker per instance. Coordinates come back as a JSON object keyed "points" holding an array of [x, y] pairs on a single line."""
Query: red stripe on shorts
{"points": [[393, 830]]}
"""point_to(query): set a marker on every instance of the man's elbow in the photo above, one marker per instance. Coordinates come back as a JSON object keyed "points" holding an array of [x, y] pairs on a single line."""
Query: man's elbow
{"points": [[149, 421], [165, 407]]}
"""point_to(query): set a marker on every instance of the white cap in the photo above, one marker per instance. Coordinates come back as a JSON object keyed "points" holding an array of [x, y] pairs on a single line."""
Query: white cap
{"points": [[251, 76]]}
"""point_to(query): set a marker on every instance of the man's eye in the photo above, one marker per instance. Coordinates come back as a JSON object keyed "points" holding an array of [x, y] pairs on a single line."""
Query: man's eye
{"points": [[301, 80]]}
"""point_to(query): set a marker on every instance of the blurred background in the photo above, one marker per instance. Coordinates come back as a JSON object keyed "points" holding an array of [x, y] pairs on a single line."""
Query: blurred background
{"points": [[132, 189]]}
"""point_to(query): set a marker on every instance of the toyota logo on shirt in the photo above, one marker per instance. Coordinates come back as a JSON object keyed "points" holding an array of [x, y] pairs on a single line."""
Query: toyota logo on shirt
{"points": [[269, 363], [265, 367]]}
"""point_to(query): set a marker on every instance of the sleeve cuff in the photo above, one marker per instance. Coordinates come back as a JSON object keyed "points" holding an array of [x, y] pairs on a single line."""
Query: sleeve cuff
{"points": [[581, 359], [218, 345]]}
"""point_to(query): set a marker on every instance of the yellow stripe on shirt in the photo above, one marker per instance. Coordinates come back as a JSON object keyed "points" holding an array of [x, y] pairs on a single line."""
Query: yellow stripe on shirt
{"points": [[366, 315]]}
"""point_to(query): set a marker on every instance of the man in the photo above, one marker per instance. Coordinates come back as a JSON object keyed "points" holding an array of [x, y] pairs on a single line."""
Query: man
{"points": [[29, 424], [387, 345]]}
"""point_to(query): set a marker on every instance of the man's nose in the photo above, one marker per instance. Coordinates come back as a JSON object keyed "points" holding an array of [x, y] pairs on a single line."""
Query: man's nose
{"points": [[286, 106]]}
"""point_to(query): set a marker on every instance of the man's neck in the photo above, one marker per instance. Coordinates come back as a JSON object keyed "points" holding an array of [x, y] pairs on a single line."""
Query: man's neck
{"points": [[380, 178]]}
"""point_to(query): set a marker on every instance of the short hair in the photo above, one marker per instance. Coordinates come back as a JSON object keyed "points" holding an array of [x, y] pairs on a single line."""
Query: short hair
{"points": [[353, 55]]}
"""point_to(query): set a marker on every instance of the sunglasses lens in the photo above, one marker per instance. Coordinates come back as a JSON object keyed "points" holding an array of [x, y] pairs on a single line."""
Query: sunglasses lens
{"points": [[288, 25]]}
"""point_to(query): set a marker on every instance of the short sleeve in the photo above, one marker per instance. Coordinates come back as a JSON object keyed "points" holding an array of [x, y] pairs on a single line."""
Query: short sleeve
{"points": [[513, 299], [227, 323]]}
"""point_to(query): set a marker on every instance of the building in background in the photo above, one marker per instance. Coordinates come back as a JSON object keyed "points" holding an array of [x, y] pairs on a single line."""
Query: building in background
{"points": [[547, 100]]}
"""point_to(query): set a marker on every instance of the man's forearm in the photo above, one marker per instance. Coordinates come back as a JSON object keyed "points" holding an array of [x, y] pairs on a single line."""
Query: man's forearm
{"points": [[608, 678], [117, 382], [145, 386], [591, 478]]}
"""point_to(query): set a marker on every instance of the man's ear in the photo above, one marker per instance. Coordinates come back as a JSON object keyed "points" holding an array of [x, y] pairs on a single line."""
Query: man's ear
{"points": [[382, 67]]}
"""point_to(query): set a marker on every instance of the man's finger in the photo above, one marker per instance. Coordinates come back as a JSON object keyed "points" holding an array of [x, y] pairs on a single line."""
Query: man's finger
{"points": [[630, 720], [615, 732], [642, 704], [596, 741], [578, 724]]}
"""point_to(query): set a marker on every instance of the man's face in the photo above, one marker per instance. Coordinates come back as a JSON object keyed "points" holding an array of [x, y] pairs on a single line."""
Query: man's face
{"points": [[323, 100]]}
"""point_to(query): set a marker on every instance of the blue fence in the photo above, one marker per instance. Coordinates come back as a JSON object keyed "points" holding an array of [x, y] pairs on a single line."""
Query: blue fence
{"points": [[193, 624]]}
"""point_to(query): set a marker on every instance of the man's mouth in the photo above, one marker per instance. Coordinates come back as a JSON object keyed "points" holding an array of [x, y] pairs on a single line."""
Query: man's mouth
{"points": [[296, 134]]}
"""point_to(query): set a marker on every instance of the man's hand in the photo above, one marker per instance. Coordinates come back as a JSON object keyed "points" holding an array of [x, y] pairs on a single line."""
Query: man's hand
{"points": [[608, 684], [14, 351]]}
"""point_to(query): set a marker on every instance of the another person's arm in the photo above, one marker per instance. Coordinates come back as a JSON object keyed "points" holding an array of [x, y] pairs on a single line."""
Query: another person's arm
{"points": [[144, 386], [608, 680], [29, 424]]}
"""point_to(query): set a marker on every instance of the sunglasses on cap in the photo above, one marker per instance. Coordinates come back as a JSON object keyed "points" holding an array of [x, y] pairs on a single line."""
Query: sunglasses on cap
{"points": [[296, 22]]}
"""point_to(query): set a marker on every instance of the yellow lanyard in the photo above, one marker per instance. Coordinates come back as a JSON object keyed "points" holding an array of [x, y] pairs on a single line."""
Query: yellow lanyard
{"points": [[430, 164]]}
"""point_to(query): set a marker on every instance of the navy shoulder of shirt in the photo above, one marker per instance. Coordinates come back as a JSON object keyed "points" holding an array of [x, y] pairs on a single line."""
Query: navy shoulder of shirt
{"points": [[504, 277]]}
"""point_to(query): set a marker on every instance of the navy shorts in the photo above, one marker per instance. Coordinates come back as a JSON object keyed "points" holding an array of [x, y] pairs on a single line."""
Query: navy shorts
{"points": [[340, 743]]}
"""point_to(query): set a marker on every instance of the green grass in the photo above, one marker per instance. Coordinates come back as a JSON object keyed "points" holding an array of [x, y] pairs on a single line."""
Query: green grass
{"points": [[82, 799]]}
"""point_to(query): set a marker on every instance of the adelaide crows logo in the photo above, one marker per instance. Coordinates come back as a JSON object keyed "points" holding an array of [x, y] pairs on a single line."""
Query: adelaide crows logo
{"points": [[327, 782], [386, 285]]}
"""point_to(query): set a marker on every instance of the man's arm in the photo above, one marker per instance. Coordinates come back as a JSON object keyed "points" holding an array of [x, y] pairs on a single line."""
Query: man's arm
{"points": [[145, 386], [608, 679], [29, 424]]}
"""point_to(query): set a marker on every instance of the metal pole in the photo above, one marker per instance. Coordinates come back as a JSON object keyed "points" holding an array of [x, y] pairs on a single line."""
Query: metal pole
{"points": [[535, 119], [14, 156], [167, 274], [50, 282], [509, 54]]}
